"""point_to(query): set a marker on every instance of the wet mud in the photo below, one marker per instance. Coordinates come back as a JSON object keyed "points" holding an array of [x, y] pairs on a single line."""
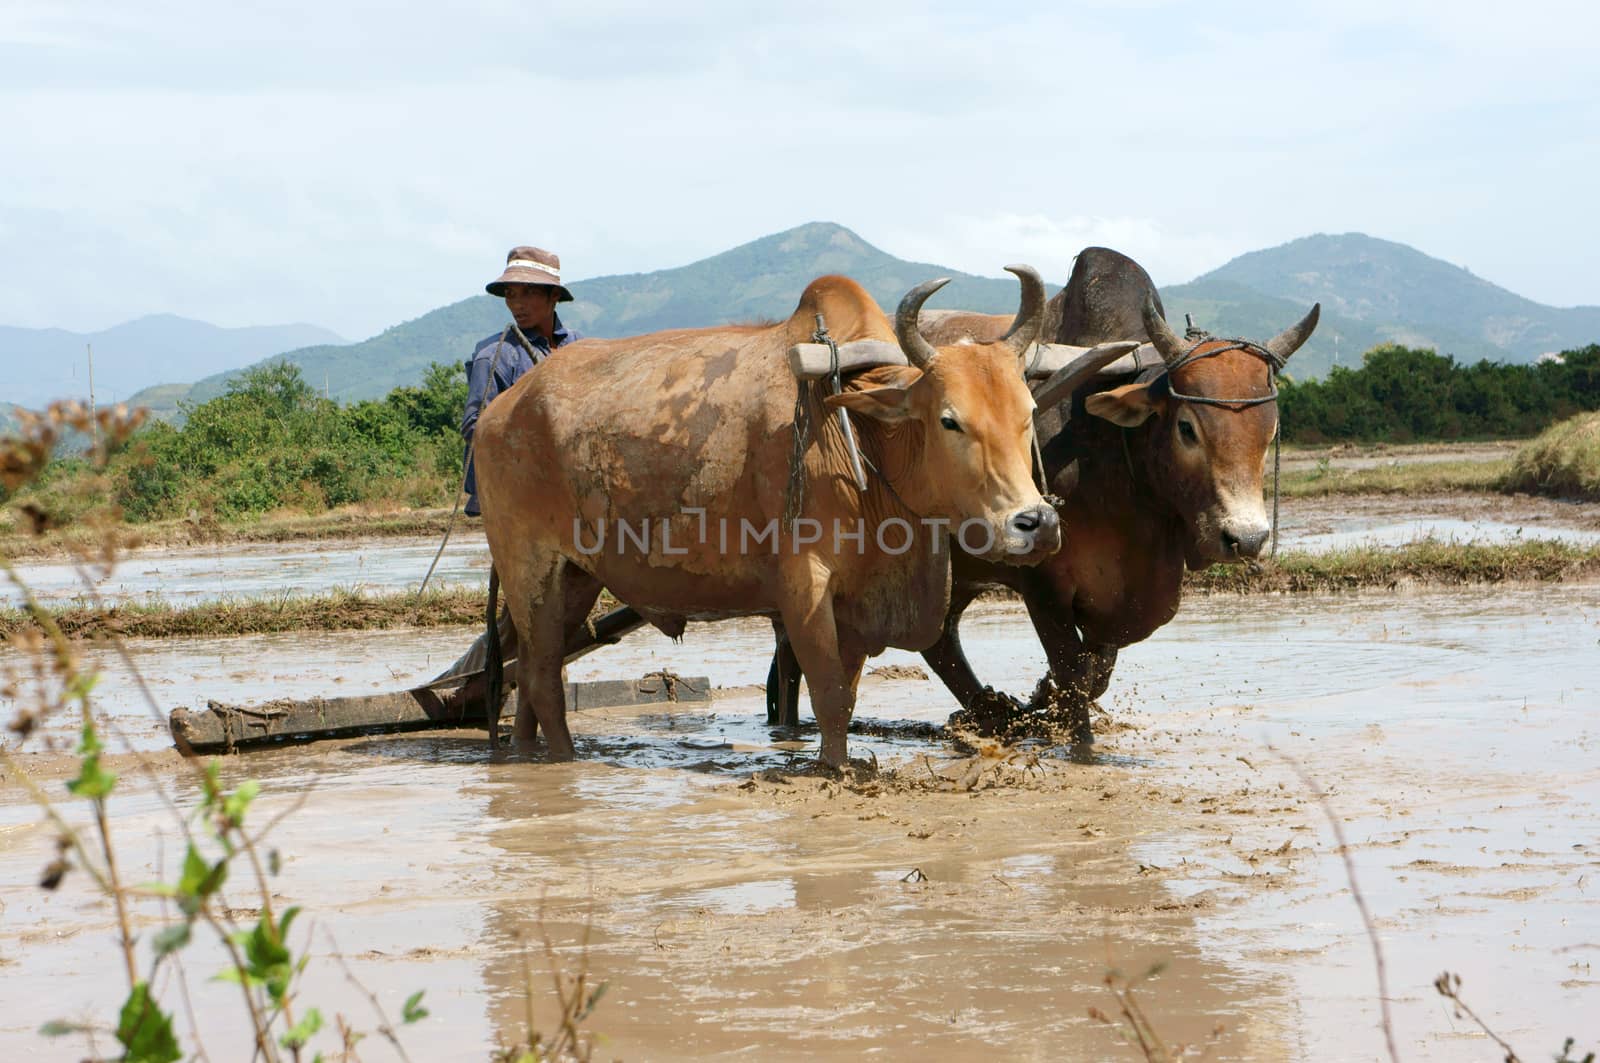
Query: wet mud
{"points": [[737, 903]]}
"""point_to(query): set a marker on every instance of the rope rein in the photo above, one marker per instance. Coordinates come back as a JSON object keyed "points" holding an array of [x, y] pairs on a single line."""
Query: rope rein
{"points": [[455, 511]]}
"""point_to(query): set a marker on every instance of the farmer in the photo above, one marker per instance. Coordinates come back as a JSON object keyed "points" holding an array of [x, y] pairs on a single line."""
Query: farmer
{"points": [[531, 286]]}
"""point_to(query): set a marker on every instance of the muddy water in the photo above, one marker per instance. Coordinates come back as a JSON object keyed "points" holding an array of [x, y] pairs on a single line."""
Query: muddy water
{"points": [[779, 919], [184, 575]]}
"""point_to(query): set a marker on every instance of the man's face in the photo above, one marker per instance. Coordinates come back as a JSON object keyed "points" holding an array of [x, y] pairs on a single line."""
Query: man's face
{"points": [[531, 305]]}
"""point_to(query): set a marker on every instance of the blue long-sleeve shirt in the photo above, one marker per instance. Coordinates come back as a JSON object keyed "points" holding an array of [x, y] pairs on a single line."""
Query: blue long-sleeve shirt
{"points": [[495, 365]]}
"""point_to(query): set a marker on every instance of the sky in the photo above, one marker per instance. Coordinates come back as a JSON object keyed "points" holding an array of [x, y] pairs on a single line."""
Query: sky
{"points": [[356, 164]]}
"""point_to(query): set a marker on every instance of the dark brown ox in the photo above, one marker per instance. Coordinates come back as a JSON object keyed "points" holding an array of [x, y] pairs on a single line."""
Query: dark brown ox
{"points": [[686, 437], [1151, 484]]}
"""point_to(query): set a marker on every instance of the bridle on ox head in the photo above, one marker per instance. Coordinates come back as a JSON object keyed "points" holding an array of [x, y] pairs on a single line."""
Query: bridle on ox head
{"points": [[1274, 365]]}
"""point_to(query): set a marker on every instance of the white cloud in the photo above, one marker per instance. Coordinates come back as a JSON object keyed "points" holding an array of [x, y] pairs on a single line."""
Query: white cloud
{"points": [[355, 164], [984, 243]]}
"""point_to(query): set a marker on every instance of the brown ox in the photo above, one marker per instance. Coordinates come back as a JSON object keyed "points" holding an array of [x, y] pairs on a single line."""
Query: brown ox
{"points": [[686, 437], [1151, 482]]}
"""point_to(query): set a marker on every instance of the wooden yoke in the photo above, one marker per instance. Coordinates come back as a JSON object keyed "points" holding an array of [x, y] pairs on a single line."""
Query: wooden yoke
{"points": [[1057, 363]]}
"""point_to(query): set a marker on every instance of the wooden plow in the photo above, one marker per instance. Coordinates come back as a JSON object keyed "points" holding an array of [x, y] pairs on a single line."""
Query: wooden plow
{"points": [[457, 701]]}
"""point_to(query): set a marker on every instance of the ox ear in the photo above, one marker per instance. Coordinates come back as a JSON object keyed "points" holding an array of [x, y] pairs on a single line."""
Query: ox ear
{"points": [[1128, 406], [891, 405]]}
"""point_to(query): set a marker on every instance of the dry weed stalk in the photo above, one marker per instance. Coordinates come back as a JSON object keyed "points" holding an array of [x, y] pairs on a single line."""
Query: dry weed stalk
{"points": [[52, 678], [1332, 817], [576, 1000], [1134, 1022]]}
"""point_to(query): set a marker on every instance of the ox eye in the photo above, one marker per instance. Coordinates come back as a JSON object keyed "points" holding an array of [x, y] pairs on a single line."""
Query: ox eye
{"points": [[950, 423], [1187, 433]]}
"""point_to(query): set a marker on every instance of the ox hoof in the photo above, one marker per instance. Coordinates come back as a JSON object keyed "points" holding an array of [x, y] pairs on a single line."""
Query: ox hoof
{"points": [[989, 714]]}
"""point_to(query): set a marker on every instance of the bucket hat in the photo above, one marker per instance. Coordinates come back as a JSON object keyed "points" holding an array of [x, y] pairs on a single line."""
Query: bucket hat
{"points": [[530, 265]]}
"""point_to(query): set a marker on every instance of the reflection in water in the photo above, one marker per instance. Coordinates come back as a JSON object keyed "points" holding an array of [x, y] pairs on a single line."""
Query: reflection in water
{"points": [[724, 925]]}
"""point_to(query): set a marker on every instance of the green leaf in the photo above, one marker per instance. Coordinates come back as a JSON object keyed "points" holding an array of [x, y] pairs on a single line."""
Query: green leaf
{"points": [[238, 803], [413, 1010], [170, 939], [92, 782], [199, 880], [81, 685], [89, 742], [145, 1031], [302, 1031], [594, 998], [267, 959], [63, 1028], [211, 785]]}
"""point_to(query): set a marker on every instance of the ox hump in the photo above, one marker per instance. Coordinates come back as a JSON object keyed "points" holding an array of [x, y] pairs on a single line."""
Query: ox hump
{"points": [[847, 308]]}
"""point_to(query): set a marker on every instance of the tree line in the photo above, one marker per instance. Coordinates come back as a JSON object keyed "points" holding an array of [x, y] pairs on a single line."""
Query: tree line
{"points": [[1401, 395], [272, 442]]}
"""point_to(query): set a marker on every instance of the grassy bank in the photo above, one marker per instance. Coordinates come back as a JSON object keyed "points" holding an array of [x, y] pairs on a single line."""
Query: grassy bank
{"points": [[339, 611], [1563, 461], [1425, 563], [273, 528], [1437, 477]]}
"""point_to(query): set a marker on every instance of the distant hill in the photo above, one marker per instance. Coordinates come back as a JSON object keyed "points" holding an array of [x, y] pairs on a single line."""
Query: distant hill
{"points": [[758, 280], [39, 365], [1376, 291], [1372, 291]]}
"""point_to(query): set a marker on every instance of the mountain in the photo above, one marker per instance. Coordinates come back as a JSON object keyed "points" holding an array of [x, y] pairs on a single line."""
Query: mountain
{"points": [[759, 280], [1376, 291], [39, 365], [1372, 291]]}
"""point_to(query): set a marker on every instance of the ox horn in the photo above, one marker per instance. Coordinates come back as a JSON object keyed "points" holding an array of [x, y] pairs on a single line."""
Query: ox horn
{"points": [[1166, 342], [1030, 315], [919, 352], [1289, 340]]}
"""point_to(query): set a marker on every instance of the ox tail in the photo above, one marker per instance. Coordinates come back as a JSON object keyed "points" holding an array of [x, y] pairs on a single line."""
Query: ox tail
{"points": [[495, 665]]}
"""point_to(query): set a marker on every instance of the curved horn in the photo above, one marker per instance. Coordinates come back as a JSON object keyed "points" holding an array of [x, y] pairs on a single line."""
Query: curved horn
{"points": [[919, 352], [1170, 347], [1030, 314], [1289, 340]]}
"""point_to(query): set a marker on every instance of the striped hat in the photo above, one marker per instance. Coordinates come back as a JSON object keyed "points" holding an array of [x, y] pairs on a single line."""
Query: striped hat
{"points": [[530, 265]]}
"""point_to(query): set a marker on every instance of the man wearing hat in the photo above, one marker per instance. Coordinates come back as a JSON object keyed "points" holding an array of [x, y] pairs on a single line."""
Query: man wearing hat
{"points": [[531, 286]]}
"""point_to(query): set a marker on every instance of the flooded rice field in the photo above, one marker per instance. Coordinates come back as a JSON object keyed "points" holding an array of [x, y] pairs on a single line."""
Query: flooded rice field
{"points": [[953, 905]]}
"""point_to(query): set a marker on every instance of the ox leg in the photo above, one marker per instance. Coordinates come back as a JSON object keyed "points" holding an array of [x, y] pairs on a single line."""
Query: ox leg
{"points": [[540, 615], [783, 682], [946, 657], [830, 675], [1078, 673]]}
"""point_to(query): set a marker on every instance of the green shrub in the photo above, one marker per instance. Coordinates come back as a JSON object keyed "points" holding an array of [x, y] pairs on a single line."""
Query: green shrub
{"points": [[1400, 394], [271, 442]]}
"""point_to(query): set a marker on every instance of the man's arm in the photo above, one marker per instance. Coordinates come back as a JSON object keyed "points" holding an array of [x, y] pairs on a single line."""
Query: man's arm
{"points": [[478, 383]]}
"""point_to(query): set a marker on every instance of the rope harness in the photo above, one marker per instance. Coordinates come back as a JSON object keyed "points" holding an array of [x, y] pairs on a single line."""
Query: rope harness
{"points": [[450, 525]]}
